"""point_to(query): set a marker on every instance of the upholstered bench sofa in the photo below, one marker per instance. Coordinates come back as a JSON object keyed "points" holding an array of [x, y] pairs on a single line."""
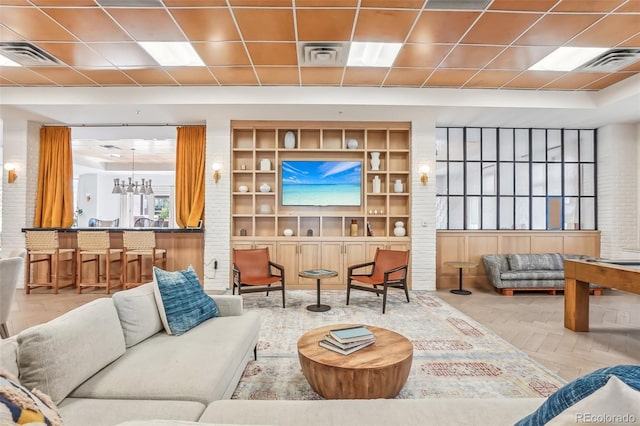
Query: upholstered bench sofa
{"points": [[530, 271]]}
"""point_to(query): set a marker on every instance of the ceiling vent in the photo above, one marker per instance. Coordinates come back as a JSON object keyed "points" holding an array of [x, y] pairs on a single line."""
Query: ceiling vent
{"points": [[323, 54], [612, 60], [27, 54], [130, 3], [457, 4]]}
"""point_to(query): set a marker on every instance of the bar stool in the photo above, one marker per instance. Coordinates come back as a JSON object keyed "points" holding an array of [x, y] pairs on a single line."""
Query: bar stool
{"points": [[138, 244], [43, 246], [96, 244]]}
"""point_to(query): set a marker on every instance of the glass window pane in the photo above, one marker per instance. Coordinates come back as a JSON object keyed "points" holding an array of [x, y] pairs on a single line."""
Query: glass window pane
{"points": [[489, 213], [506, 144], [456, 182], [489, 179], [570, 145], [522, 145], [473, 144], [441, 178], [554, 148], [473, 213], [522, 213], [554, 179], [538, 145], [441, 212], [571, 213], [456, 152], [588, 213], [538, 213], [538, 176], [473, 178], [441, 143], [456, 213], [506, 179], [489, 144], [586, 145], [522, 179], [506, 213], [571, 179], [588, 179], [554, 213]]}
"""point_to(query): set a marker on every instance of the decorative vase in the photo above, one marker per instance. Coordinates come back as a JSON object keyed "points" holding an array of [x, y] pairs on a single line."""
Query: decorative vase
{"points": [[352, 144], [289, 140], [265, 187], [375, 160], [243, 188], [399, 230], [376, 184], [354, 228], [398, 187], [265, 164], [288, 232]]}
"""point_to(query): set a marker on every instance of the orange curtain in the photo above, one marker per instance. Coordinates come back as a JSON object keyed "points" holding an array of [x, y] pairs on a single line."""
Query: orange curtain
{"points": [[54, 202], [190, 153]]}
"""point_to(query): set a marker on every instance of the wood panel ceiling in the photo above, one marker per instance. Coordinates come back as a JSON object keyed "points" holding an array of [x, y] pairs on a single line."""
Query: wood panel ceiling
{"points": [[256, 42]]}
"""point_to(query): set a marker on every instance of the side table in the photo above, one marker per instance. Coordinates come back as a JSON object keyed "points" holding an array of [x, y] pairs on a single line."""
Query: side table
{"points": [[461, 266], [318, 274]]}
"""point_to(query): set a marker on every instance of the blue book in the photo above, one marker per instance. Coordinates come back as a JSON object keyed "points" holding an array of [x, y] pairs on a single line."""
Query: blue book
{"points": [[351, 334]]}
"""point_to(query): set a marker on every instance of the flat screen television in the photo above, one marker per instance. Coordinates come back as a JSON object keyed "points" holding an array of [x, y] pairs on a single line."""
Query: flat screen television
{"points": [[321, 183]]}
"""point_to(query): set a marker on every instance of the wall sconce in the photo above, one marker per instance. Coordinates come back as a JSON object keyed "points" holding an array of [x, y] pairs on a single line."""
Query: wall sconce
{"points": [[216, 172], [424, 174], [11, 168]]}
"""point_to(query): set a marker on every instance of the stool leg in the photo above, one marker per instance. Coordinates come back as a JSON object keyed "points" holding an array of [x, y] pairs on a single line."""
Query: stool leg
{"points": [[108, 271], [56, 282], [27, 274], [79, 273]]}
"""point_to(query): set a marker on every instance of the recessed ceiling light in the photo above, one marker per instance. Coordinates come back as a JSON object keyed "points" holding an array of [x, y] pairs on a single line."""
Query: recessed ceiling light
{"points": [[372, 54], [6, 62], [175, 53], [567, 58]]}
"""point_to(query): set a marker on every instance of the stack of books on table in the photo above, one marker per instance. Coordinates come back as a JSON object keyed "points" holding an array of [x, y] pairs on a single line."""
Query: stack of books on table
{"points": [[348, 340]]}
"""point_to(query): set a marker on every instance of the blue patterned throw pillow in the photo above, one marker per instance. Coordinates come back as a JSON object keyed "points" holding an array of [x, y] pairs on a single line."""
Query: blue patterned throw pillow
{"points": [[181, 301]]}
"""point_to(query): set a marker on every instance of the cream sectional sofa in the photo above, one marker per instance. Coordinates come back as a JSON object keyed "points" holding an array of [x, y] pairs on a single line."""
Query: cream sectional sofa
{"points": [[110, 361]]}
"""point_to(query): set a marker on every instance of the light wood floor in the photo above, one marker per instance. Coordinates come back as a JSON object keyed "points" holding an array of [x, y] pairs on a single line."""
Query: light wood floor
{"points": [[531, 322]]}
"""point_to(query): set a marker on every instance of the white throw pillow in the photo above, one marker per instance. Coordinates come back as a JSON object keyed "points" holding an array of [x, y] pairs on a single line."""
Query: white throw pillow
{"points": [[138, 313]]}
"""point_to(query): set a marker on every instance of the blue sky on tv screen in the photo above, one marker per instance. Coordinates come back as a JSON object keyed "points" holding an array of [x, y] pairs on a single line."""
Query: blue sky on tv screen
{"points": [[321, 172]]}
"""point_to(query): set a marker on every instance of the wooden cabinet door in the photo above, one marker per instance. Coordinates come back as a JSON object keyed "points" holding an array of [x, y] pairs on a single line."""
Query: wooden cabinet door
{"points": [[399, 245], [287, 256], [354, 253], [332, 258], [308, 258]]}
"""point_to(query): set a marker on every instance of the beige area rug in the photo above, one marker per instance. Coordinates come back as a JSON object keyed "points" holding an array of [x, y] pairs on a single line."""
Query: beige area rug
{"points": [[454, 356]]}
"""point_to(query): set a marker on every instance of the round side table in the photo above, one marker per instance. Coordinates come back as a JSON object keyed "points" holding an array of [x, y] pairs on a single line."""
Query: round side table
{"points": [[318, 274], [461, 266]]}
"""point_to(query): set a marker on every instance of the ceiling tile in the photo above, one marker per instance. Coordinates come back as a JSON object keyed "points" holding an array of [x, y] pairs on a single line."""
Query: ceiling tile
{"points": [[533, 79], [630, 6], [491, 79], [327, 3], [587, 6], [574, 80], [519, 57], [609, 32], [7, 35], [273, 53], [356, 76], [632, 42], [192, 76], [222, 53], [556, 29], [89, 24], [499, 27], [325, 24], [235, 76], [384, 25], [633, 67], [65, 3], [422, 55], [150, 76], [608, 81], [466, 56], [522, 5], [195, 3], [75, 54], [24, 76], [196, 24], [280, 76], [261, 3], [15, 3], [107, 77], [441, 26], [321, 75], [33, 24], [410, 77], [265, 24], [398, 4], [147, 24], [124, 54], [449, 78], [64, 76]]}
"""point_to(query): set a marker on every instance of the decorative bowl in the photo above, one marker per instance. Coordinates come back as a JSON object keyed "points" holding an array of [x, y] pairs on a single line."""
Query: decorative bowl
{"points": [[352, 144], [288, 232], [265, 187], [243, 188]]}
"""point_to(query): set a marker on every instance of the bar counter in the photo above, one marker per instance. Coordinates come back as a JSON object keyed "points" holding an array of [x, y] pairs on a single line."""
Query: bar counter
{"points": [[184, 246]]}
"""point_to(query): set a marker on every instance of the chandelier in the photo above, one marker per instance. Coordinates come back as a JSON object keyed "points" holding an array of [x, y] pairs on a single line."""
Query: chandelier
{"points": [[132, 187]]}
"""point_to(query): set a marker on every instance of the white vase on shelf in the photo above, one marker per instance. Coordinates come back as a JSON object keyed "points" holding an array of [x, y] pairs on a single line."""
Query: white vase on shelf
{"points": [[399, 230], [265, 187], [376, 185], [398, 187], [289, 140], [375, 160]]}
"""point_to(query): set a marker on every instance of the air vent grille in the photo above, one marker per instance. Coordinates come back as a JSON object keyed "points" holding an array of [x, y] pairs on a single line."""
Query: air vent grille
{"points": [[323, 54], [612, 60], [27, 54]]}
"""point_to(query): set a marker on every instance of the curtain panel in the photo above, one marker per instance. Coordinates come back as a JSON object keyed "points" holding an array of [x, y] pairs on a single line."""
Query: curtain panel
{"points": [[190, 165], [54, 201]]}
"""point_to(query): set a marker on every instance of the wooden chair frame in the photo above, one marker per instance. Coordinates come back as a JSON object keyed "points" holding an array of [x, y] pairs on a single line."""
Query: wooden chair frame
{"points": [[255, 288], [43, 246]]}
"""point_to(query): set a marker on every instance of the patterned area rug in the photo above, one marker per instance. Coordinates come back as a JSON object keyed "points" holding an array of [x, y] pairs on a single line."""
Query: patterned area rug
{"points": [[454, 356]]}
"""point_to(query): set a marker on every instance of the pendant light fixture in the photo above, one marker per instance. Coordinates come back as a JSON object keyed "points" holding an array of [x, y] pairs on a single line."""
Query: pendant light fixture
{"points": [[132, 187]]}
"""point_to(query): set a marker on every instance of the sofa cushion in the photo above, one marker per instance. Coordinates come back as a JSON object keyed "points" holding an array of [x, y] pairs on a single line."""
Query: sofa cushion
{"points": [[9, 355], [521, 262], [533, 274], [138, 313], [181, 301], [59, 355], [21, 406]]}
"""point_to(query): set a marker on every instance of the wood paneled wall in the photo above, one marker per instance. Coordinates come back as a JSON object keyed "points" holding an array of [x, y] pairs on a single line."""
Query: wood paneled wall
{"points": [[469, 246]]}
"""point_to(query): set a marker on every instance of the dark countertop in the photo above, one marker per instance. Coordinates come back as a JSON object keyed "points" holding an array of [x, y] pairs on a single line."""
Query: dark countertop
{"points": [[158, 230]]}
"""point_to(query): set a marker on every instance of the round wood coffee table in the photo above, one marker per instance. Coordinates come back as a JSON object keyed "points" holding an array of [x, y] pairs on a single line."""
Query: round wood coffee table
{"points": [[377, 371]]}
